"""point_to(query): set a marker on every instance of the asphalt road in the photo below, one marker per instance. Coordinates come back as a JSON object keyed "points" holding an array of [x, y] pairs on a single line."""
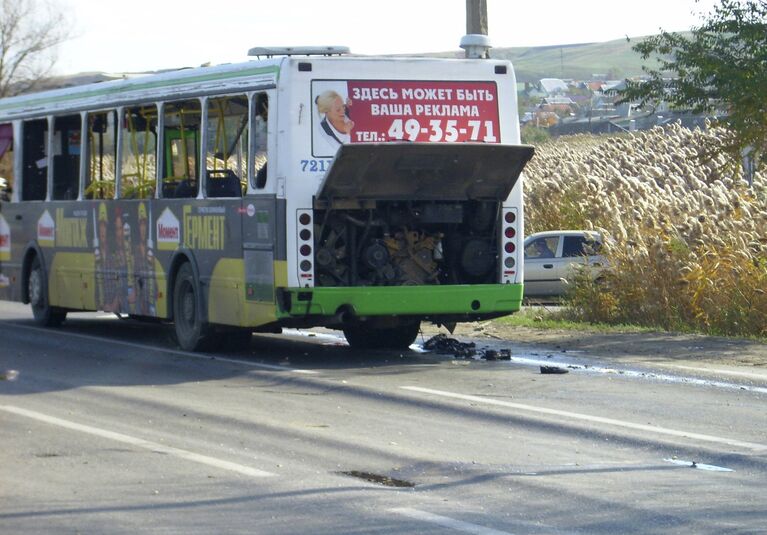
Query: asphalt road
{"points": [[108, 428]]}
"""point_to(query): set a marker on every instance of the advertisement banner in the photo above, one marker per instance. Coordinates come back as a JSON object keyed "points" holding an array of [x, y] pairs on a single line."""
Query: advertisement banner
{"points": [[374, 111]]}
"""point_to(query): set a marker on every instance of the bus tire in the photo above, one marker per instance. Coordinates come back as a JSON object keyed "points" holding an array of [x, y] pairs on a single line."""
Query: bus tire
{"points": [[364, 336], [37, 288], [192, 333]]}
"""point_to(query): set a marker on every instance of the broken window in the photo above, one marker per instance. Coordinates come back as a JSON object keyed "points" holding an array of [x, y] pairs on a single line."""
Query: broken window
{"points": [[226, 133], [139, 152], [66, 157], [6, 161], [181, 146], [259, 131], [102, 155], [34, 184]]}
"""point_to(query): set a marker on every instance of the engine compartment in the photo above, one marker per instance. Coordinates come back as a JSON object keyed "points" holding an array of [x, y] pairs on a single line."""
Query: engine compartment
{"points": [[399, 243]]}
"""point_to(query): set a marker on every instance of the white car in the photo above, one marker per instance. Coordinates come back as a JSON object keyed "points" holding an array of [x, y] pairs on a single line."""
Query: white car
{"points": [[552, 257]]}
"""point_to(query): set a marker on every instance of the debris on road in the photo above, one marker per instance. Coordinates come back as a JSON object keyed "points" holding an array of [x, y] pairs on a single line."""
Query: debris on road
{"points": [[443, 345], [552, 370]]}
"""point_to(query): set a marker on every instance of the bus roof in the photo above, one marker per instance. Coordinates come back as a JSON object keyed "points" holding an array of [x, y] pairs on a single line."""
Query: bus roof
{"points": [[183, 83], [178, 84]]}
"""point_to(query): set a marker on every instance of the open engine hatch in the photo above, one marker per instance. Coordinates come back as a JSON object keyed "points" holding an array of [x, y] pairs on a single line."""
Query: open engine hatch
{"points": [[424, 171]]}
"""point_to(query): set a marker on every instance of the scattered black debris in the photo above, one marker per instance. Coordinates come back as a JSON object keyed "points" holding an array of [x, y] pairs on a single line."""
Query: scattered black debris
{"points": [[553, 370], [444, 345], [386, 481], [450, 346]]}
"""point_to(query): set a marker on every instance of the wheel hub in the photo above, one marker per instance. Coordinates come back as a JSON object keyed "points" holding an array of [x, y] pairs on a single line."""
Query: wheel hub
{"points": [[35, 288]]}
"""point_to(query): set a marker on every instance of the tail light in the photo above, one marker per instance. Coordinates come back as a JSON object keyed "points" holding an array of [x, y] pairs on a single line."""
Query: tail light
{"points": [[509, 249], [305, 247]]}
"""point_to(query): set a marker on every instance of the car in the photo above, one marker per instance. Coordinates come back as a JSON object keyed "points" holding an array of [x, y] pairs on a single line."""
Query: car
{"points": [[552, 257]]}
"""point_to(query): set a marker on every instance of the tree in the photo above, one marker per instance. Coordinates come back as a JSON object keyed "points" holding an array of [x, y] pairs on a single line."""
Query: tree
{"points": [[30, 31], [719, 66]]}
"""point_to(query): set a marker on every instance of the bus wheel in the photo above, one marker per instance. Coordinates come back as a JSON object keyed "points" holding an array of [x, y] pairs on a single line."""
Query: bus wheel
{"points": [[37, 287], [369, 337], [191, 331]]}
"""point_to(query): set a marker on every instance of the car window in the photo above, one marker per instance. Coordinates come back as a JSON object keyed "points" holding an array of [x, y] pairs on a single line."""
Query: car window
{"points": [[542, 247], [579, 246]]}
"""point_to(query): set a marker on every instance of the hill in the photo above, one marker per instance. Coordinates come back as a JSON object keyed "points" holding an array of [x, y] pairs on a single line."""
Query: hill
{"points": [[612, 59]]}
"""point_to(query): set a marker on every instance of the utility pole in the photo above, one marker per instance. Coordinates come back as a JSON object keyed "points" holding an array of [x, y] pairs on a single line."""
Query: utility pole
{"points": [[476, 42], [476, 17]]}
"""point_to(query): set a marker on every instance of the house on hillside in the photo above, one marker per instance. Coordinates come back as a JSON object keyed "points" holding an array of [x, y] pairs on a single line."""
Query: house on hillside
{"points": [[562, 106], [553, 86]]}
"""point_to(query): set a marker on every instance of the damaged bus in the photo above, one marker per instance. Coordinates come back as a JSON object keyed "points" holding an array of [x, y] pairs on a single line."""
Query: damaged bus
{"points": [[303, 189]]}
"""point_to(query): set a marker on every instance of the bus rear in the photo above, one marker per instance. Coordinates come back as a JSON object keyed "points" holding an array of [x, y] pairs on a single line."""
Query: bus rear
{"points": [[403, 189]]}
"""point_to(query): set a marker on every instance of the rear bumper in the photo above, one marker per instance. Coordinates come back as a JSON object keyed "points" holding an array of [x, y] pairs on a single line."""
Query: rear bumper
{"points": [[471, 301]]}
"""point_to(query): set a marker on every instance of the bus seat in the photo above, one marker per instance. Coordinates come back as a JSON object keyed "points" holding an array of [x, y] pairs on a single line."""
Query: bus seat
{"points": [[186, 189], [168, 189], [223, 183]]}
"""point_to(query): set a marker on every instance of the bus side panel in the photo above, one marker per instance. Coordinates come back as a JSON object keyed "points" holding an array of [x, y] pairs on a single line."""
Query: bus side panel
{"points": [[16, 232], [208, 232], [263, 234]]}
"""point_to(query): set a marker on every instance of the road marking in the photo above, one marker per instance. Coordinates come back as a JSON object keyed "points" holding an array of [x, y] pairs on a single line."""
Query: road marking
{"points": [[446, 522], [719, 371], [139, 442], [593, 419], [639, 374], [203, 356], [699, 466]]}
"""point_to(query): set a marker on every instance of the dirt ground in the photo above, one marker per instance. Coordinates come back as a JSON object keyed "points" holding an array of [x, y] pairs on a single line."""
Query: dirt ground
{"points": [[644, 347]]}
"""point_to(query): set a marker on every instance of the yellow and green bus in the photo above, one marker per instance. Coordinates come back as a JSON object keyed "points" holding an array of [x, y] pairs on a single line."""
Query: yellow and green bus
{"points": [[304, 189]]}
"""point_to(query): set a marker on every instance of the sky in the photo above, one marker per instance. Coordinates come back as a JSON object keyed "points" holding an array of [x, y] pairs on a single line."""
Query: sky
{"points": [[143, 35]]}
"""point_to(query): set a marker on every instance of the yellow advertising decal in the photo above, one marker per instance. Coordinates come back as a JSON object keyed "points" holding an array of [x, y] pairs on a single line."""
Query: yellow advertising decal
{"points": [[71, 230], [207, 230]]}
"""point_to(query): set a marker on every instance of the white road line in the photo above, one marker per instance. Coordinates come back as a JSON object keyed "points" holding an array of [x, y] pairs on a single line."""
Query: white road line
{"points": [[699, 466], [594, 419], [446, 522], [648, 375], [719, 371], [139, 442], [203, 356]]}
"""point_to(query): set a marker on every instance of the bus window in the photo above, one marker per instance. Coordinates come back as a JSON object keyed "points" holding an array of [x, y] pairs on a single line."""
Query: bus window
{"points": [[258, 154], [6, 161], [66, 157], [226, 159], [181, 146], [34, 184], [139, 146], [102, 155]]}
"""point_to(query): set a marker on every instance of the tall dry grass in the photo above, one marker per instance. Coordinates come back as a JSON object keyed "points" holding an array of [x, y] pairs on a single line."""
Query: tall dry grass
{"points": [[688, 237]]}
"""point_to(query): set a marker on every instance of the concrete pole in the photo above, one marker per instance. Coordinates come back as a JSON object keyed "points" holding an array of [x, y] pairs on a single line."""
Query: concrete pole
{"points": [[475, 42], [476, 17]]}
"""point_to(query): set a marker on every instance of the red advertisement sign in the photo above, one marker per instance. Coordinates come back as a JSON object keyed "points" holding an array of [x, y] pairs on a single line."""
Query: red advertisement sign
{"points": [[365, 111]]}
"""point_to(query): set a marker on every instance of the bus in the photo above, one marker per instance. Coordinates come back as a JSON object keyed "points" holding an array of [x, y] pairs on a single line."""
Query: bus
{"points": [[302, 188]]}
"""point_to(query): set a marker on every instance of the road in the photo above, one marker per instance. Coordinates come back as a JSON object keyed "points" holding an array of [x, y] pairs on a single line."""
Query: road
{"points": [[108, 428]]}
